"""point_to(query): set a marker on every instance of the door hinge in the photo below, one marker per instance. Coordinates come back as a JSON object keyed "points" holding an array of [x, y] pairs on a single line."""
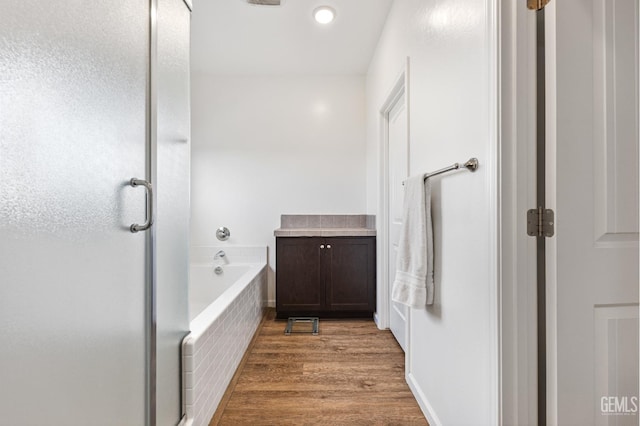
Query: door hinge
{"points": [[537, 4], [540, 222]]}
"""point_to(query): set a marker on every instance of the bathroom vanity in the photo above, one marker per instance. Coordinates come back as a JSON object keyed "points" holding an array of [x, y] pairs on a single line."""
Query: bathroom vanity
{"points": [[326, 266]]}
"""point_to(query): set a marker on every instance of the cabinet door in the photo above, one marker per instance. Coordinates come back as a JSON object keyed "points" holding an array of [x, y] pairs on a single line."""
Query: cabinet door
{"points": [[299, 286], [350, 274]]}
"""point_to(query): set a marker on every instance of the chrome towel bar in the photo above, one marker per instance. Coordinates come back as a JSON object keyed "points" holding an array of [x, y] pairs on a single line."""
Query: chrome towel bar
{"points": [[471, 165]]}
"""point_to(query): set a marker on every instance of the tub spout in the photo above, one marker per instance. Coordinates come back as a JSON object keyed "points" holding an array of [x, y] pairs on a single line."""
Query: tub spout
{"points": [[219, 255]]}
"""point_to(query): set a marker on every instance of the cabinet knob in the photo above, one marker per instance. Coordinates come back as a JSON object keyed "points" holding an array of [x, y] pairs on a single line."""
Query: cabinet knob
{"points": [[328, 245], [321, 246]]}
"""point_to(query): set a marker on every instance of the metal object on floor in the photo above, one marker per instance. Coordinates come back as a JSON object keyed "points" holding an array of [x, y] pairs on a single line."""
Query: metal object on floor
{"points": [[312, 323]]}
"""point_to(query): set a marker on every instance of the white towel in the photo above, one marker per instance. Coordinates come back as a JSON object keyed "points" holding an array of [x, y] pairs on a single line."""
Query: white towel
{"points": [[413, 284]]}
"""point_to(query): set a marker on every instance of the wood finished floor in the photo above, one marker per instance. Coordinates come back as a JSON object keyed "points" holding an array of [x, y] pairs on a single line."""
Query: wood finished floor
{"points": [[350, 374]]}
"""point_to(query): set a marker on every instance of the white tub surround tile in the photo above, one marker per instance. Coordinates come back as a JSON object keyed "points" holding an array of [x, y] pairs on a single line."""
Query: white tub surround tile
{"points": [[211, 356], [234, 254]]}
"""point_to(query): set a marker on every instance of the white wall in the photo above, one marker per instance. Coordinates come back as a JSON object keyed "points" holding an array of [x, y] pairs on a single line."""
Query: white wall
{"points": [[453, 347], [270, 145]]}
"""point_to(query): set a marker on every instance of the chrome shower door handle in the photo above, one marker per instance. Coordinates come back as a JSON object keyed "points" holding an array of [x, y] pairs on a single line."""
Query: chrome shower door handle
{"points": [[149, 190]]}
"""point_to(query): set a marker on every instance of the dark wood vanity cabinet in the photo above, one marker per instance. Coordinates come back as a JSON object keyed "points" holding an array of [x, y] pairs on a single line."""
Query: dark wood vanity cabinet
{"points": [[325, 276]]}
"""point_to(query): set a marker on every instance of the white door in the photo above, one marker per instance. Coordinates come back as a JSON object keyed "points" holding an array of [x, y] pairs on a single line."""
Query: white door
{"points": [[592, 184], [398, 146]]}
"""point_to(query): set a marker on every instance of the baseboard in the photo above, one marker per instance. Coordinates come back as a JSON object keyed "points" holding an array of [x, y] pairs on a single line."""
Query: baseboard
{"points": [[426, 408], [271, 303], [376, 319]]}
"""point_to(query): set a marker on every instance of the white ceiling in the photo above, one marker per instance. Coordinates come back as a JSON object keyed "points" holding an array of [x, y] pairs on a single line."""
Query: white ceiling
{"points": [[234, 37]]}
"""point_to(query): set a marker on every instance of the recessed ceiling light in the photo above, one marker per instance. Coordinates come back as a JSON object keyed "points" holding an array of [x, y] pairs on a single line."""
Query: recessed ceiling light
{"points": [[324, 14]]}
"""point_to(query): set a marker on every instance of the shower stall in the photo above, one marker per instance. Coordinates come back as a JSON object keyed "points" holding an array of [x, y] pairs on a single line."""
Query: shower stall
{"points": [[92, 314]]}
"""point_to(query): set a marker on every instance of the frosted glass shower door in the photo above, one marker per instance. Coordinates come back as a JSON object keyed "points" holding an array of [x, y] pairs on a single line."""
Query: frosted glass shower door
{"points": [[172, 184], [73, 88]]}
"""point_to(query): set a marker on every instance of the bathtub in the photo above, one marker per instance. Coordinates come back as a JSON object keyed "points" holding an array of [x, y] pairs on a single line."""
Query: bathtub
{"points": [[225, 312]]}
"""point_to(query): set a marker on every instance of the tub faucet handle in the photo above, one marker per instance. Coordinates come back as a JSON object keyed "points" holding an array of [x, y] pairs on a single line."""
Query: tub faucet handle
{"points": [[223, 233]]}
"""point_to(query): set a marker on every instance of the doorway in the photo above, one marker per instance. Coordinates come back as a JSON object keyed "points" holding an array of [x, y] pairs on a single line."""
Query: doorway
{"points": [[395, 158], [590, 155]]}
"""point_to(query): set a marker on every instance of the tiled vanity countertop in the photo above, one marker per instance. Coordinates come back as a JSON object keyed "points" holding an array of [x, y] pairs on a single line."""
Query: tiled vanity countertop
{"points": [[358, 225]]}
